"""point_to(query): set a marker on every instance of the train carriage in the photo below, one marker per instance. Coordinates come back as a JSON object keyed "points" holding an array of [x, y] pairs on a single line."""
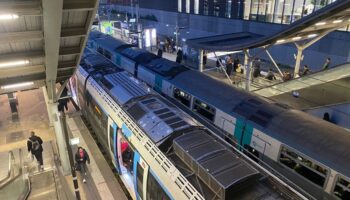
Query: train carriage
{"points": [[159, 151], [257, 125]]}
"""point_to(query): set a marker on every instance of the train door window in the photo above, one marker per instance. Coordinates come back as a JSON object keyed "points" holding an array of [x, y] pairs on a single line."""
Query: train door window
{"points": [[342, 188], [111, 136], [100, 50], [154, 190], [303, 166], [139, 179], [183, 97], [204, 109], [127, 154], [107, 54]]}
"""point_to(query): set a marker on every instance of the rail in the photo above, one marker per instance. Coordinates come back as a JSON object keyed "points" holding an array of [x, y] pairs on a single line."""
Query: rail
{"points": [[147, 149]]}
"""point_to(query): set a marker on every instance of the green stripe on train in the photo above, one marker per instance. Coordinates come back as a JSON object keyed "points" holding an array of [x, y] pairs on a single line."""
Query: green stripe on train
{"points": [[238, 130], [247, 136], [158, 84]]}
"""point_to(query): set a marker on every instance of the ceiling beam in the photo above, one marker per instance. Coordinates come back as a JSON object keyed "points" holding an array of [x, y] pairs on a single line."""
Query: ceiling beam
{"points": [[21, 36], [20, 79], [21, 55], [21, 8], [24, 70], [73, 32], [66, 65], [64, 51], [78, 5], [52, 20]]}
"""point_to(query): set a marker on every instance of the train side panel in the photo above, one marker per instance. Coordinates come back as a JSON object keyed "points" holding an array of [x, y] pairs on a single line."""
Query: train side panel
{"points": [[146, 75], [128, 64], [265, 144]]}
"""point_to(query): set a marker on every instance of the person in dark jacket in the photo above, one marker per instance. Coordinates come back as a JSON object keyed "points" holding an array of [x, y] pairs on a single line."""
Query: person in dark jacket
{"points": [[270, 75], [235, 64], [229, 66], [179, 56], [34, 145], [81, 157], [160, 53]]}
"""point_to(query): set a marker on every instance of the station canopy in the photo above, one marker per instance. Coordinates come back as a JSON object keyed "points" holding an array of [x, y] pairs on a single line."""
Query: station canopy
{"points": [[317, 24]]}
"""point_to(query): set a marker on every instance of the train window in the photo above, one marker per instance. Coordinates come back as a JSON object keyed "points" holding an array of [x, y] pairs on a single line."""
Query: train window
{"points": [[107, 54], [204, 109], [100, 50], [154, 190], [183, 97], [127, 155], [342, 188], [139, 179], [303, 166]]}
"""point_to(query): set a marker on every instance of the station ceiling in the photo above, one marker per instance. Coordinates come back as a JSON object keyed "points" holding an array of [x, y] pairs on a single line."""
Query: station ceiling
{"points": [[41, 41]]}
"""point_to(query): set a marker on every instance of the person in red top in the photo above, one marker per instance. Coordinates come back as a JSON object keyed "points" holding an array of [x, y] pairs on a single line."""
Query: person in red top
{"points": [[81, 157]]}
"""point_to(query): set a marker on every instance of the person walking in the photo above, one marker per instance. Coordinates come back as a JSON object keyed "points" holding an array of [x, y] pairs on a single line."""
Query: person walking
{"points": [[160, 53], [81, 157], [229, 67], [34, 145]]}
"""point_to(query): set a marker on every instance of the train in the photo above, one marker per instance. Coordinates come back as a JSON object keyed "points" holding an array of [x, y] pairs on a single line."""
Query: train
{"points": [[312, 153], [159, 151]]}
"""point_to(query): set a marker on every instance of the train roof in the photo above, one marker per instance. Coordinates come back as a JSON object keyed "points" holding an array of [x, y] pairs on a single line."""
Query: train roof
{"points": [[219, 168], [166, 68], [213, 92], [139, 55], [318, 139], [107, 42]]}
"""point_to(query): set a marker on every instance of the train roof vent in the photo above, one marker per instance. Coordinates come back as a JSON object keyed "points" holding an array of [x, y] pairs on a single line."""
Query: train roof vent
{"points": [[125, 87], [261, 117], [218, 167]]}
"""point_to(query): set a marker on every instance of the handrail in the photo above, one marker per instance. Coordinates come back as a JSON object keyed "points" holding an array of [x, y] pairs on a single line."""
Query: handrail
{"points": [[307, 76], [10, 173]]}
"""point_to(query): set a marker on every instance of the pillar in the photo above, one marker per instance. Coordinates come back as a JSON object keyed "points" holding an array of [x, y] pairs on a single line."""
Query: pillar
{"points": [[60, 139], [248, 63], [47, 105], [298, 61], [200, 59]]}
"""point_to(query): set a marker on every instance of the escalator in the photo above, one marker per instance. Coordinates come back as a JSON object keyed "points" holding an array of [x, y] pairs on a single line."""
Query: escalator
{"points": [[42, 186], [322, 88]]}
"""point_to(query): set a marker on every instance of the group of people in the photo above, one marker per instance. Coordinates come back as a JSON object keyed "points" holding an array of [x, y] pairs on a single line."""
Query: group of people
{"points": [[35, 149], [232, 65]]}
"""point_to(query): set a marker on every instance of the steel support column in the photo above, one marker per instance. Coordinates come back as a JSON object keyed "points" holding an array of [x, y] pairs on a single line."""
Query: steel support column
{"points": [[298, 61], [200, 59], [248, 65]]}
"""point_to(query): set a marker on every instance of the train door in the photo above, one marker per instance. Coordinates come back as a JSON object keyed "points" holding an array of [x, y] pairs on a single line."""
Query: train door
{"points": [[112, 139], [140, 180], [126, 154]]}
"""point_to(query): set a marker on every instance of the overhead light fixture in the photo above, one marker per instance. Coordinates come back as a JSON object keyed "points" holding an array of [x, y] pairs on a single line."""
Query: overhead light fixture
{"points": [[312, 35], [13, 63], [8, 16], [337, 21], [296, 38], [320, 23], [17, 85], [280, 41]]}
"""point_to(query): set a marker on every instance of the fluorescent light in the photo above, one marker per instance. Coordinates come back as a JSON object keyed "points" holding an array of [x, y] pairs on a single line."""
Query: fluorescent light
{"points": [[17, 85], [280, 41], [320, 23], [337, 21], [8, 16], [13, 63], [296, 38], [312, 35]]}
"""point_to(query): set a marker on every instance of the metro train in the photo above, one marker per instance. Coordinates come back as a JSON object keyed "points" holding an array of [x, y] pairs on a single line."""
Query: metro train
{"points": [[158, 150], [312, 153]]}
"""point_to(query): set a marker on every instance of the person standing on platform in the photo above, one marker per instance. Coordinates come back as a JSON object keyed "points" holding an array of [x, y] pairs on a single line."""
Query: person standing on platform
{"points": [[326, 64], [229, 66], [179, 56], [34, 145], [81, 157], [160, 53]]}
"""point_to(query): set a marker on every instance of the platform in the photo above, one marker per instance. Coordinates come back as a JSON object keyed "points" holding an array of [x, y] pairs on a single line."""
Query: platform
{"points": [[25, 179]]}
